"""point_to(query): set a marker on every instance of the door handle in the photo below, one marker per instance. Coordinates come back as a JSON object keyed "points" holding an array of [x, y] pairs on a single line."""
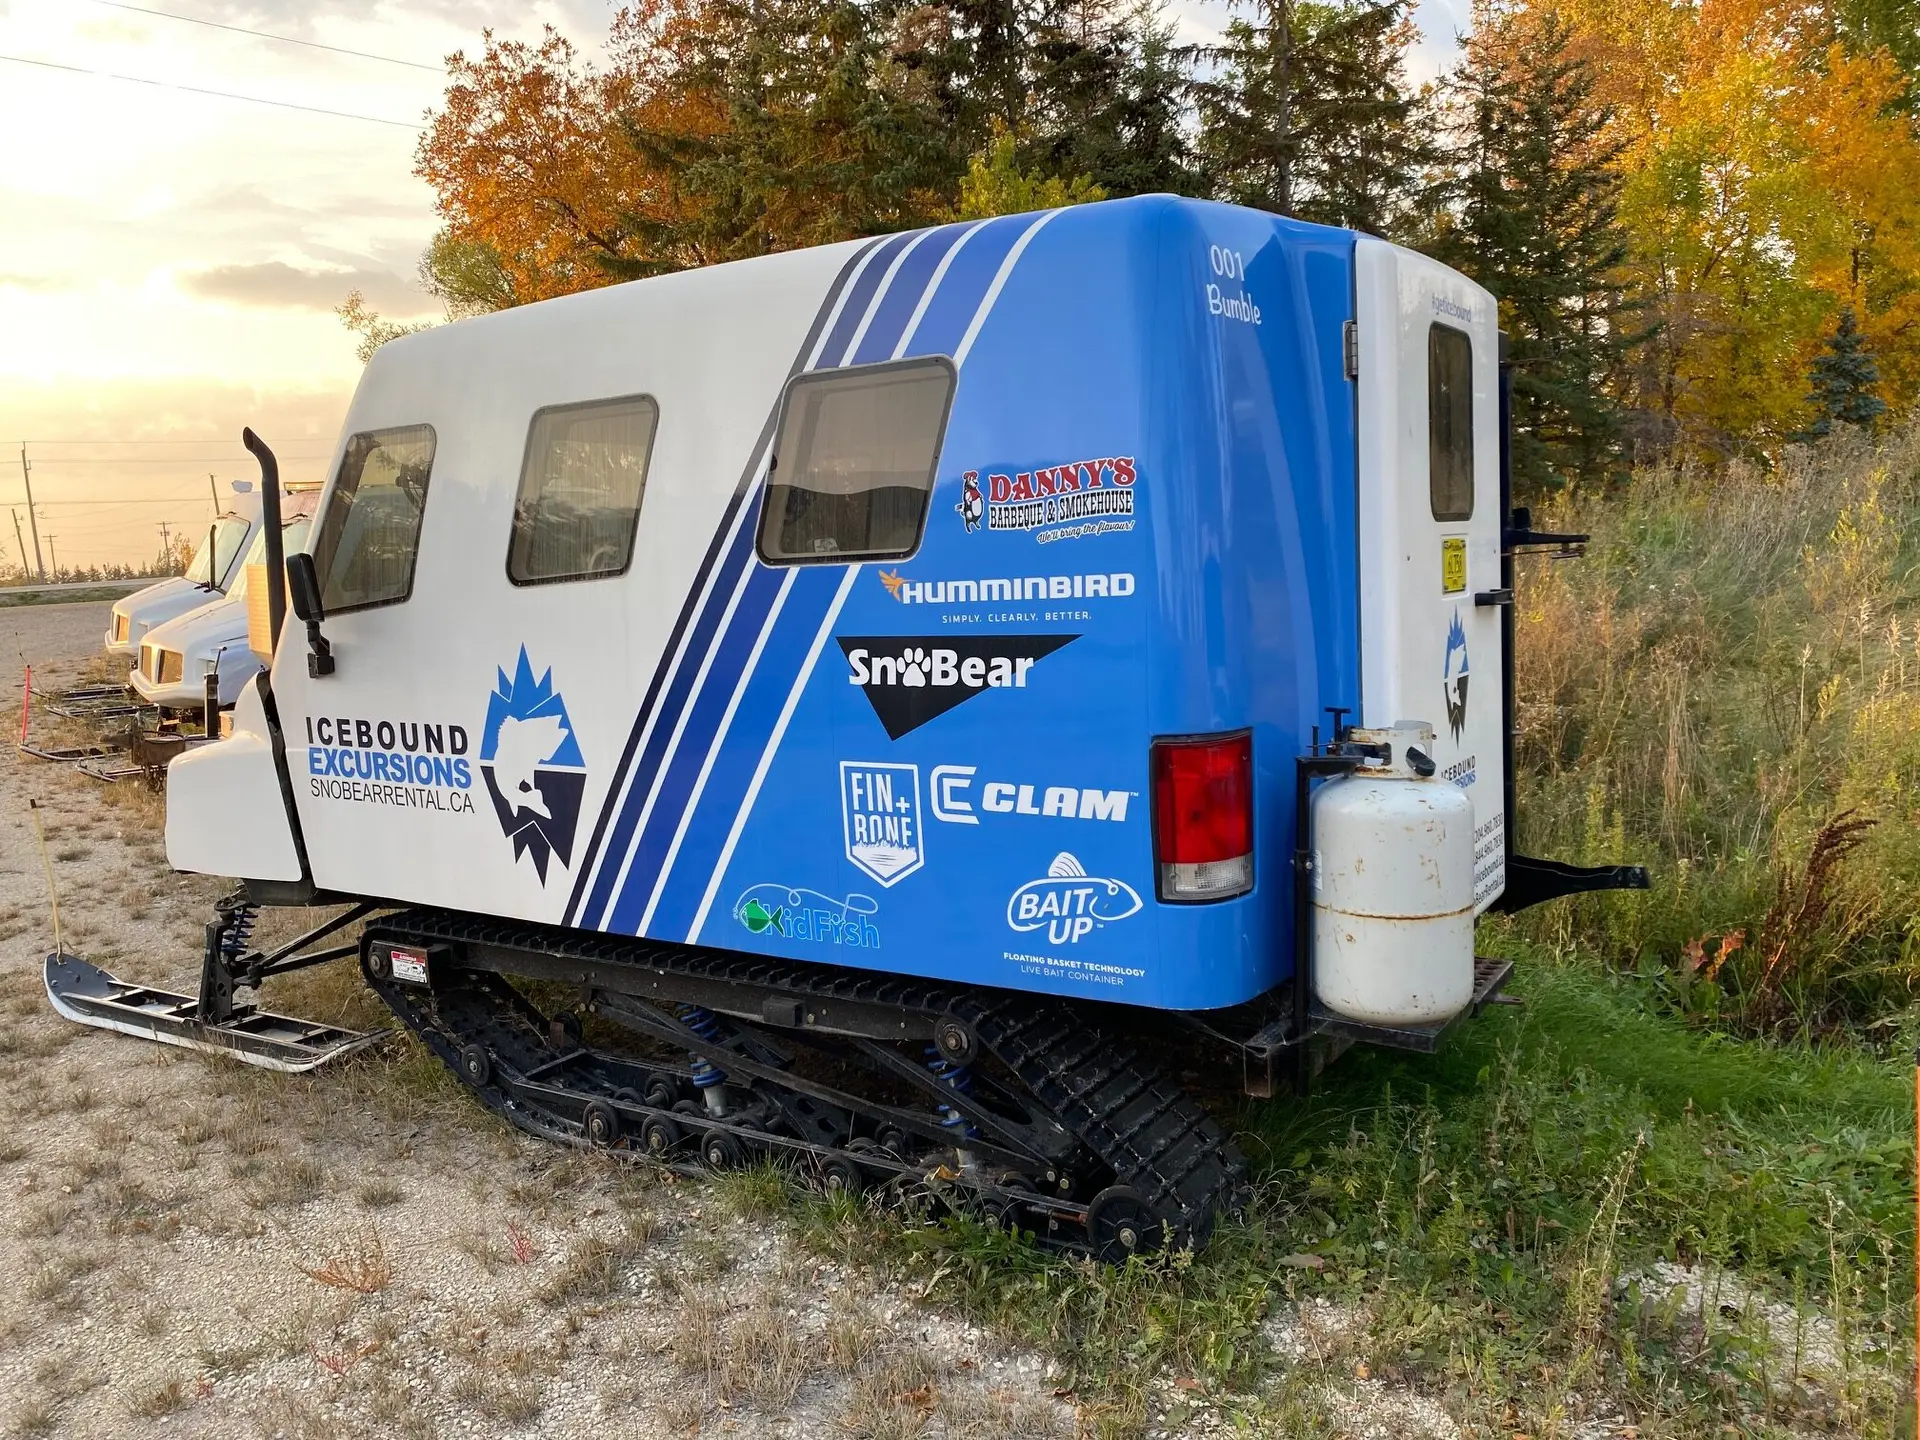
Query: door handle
{"points": [[1493, 597]]}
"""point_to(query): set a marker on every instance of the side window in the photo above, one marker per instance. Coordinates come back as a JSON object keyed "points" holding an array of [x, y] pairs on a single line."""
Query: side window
{"points": [[580, 489], [853, 461], [370, 535], [1450, 423]]}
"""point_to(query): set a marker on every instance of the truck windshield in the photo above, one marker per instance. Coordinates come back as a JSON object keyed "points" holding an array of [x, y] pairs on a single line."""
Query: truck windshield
{"points": [[212, 564], [293, 542]]}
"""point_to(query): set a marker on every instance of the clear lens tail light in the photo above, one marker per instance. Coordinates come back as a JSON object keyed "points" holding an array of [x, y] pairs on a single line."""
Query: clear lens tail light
{"points": [[1203, 816]]}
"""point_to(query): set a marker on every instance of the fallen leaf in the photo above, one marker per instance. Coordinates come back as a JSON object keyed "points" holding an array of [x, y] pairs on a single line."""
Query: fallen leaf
{"points": [[1360, 1371], [1186, 1382], [1304, 1262]]}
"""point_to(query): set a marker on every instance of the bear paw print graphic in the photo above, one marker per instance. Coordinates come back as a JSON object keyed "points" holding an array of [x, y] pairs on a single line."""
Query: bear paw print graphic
{"points": [[913, 667]]}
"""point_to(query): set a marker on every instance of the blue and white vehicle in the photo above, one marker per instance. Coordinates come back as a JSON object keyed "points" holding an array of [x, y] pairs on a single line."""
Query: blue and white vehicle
{"points": [[944, 657], [214, 567]]}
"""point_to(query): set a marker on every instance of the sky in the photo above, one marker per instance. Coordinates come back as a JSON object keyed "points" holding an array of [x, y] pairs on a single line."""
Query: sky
{"points": [[170, 261]]}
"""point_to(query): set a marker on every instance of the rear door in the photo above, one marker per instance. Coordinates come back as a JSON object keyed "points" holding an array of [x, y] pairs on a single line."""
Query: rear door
{"points": [[1429, 456]]}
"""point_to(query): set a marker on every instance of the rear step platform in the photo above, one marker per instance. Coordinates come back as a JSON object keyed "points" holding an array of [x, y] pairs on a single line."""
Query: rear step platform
{"points": [[88, 995]]}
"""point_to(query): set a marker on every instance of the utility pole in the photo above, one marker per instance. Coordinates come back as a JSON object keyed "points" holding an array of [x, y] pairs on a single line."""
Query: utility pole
{"points": [[166, 543], [21, 543], [26, 474], [56, 557]]}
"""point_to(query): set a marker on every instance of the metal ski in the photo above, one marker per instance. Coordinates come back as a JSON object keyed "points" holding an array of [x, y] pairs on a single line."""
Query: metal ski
{"points": [[217, 1020]]}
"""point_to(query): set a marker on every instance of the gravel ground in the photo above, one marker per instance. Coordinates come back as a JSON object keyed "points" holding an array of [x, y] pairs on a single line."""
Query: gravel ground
{"points": [[201, 1248]]}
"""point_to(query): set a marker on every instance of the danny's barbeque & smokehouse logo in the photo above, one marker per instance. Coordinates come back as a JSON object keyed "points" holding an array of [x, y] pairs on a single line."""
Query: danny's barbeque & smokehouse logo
{"points": [[1059, 502]]}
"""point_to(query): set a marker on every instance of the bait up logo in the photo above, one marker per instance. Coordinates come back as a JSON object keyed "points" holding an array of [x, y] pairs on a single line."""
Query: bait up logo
{"points": [[532, 765], [880, 815], [793, 912], [1453, 677], [1070, 904], [1061, 502], [910, 680]]}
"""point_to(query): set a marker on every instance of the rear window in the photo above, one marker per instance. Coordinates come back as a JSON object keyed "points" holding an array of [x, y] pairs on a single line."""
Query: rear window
{"points": [[1450, 423], [370, 535], [580, 490], [853, 463]]}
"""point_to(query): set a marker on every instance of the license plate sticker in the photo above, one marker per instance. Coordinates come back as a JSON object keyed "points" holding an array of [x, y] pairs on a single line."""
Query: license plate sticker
{"points": [[1453, 564], [410, 966]]}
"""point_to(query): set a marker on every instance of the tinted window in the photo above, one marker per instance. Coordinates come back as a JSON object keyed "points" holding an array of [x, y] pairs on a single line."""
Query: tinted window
{"points": [[370, 535], [212, 564], [1450, 423], [854, 460], [580, 490]]}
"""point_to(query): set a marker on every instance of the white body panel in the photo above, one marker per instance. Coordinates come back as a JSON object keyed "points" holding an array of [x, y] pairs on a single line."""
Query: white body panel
{"points": [[1409, 668], [222, 815], [712, 347], [1393, 892], [213, 632], [171, 598]]}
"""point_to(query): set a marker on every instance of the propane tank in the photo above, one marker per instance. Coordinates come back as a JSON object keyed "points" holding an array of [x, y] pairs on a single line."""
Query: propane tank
{"points": [[1393, 886]]}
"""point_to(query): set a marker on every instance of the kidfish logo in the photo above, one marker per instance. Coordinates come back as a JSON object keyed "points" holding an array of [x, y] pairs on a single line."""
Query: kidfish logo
{"points": [[532, 765], [1010, 588], [1062, 502], [1070, 904], [1453, 677], [793, 912], [910, 680]]}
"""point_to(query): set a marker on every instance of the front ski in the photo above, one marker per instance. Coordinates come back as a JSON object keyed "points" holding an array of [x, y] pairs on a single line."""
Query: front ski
{"points": [[88, 995]]}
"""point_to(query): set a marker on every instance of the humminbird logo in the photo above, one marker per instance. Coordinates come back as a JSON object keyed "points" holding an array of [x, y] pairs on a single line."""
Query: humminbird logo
{"points": [[1010, 588], [910, 680]]}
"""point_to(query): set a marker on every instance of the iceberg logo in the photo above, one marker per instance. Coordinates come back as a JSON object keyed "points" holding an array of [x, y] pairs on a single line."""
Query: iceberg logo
{"points": [[532, 765], [1454, 677]]}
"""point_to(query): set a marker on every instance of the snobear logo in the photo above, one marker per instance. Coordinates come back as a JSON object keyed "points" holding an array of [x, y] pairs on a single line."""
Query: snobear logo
{"points": [[910, 680], [973, 505], [1454, 677], [532, 765]]}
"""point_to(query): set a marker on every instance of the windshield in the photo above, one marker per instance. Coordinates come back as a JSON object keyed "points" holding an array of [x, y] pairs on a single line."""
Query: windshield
{"points": [[228, 532], [294, 542]]}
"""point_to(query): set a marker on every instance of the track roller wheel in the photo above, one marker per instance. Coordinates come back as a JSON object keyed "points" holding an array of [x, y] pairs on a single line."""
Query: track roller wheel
{"points": [[661, 1094], [841, 1176], [1120, 1223], [476, 1066], [719, 1150], [659, 1135], [601, 1122], [893, 1140]]}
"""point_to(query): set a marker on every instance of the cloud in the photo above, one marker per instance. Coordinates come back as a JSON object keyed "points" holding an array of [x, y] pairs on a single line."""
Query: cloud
{"points": [[32, 282], [275, 284]]}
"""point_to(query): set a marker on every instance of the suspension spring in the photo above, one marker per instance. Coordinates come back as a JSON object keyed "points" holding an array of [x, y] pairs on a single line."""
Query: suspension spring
{"points": [[957, 1078], [703, 1023], [236, 930]]}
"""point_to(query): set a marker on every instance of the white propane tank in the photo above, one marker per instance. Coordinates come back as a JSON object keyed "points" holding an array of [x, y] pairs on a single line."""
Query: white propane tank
{"points": [[1393, 888]]}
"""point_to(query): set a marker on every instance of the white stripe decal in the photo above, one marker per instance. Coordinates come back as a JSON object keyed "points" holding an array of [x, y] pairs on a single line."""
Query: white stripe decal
{"points": [[680, 657], [933, 285], [833, 612], [713, 752], [719, 736]]}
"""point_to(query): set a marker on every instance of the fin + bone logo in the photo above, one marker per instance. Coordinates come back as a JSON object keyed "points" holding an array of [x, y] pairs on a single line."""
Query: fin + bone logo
{"points": [[532, 765]]}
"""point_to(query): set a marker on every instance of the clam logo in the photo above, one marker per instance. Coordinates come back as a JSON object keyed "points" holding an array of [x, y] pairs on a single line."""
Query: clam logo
{"points": [[532, 765], [1070, 904], [1454, 677]]}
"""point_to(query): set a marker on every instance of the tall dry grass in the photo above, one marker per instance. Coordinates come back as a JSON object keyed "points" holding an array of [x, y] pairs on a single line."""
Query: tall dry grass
{"points": [[1728, 690]]}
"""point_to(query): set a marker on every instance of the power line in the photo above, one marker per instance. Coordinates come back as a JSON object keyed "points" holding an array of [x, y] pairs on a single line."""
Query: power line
{"points": [[263, 35], [218, 94]]}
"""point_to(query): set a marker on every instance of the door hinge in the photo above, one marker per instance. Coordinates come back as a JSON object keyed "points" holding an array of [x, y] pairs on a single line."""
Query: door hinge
{"points": [[1350, 348]]}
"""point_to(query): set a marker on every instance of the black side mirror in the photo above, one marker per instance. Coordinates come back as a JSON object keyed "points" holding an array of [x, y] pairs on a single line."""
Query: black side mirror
{"points": [[303, 585]]}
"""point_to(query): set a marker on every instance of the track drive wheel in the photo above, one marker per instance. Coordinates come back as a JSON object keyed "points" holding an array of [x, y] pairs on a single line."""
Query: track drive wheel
{"points": [[719, 1150], [1120, 1223], [601, 1123], [476, 1065]]}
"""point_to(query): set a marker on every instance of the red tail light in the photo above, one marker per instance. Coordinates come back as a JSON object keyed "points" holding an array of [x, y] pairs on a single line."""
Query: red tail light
{"points": [[1203, 816]]}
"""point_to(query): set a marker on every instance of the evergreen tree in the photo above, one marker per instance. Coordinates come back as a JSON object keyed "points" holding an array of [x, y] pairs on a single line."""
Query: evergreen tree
{"points": [[1532, 217], [1308, 113], [1843, 377]]}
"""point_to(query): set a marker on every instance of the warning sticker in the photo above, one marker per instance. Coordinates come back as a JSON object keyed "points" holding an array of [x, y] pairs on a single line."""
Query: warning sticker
{"points": [[1453, 564]]}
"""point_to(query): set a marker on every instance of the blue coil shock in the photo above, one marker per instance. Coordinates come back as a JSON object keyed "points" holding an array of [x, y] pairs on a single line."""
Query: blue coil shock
{"points": [[238, 931], [702, 1022], [959, 1079]]}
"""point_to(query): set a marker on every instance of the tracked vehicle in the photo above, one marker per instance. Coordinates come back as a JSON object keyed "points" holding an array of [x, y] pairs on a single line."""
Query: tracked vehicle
{"points": [[879, 705]]}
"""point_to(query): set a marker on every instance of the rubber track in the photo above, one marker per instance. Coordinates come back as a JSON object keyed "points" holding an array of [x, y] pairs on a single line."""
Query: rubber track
{"points": [[1150, 1132]]}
